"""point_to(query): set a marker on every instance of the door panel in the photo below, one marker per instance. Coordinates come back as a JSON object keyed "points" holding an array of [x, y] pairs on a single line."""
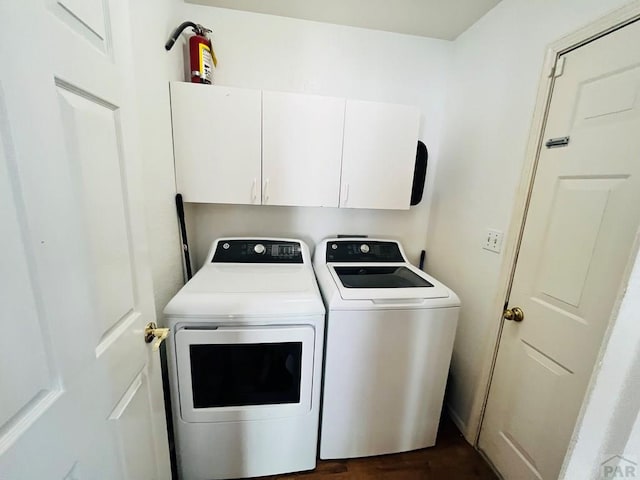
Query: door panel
{"points": [[91, 130], [536, 372], [88, 14], [24, 341], [615, 93], [133, 425], [574, 224], [86, 18], [78, 288], [577, 241]]}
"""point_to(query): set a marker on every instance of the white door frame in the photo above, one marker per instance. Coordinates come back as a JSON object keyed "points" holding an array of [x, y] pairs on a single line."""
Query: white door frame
{"points": [[594, 30]]}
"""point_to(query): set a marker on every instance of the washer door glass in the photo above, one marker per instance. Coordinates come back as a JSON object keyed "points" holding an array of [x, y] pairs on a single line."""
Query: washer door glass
{"points": [[244, 373], [232, 375]]}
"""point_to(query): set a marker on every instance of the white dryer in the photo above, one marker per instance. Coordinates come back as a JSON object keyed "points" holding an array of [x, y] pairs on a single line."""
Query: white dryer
{"points": [[245, 359], [389, 337]]}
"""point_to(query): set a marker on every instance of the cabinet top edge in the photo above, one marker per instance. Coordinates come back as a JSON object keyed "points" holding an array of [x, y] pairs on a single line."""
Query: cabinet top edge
{"points": [[348, 100]]}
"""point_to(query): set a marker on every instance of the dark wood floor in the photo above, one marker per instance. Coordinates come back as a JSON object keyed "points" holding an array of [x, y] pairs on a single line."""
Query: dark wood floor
{"points": [[452, 459]]}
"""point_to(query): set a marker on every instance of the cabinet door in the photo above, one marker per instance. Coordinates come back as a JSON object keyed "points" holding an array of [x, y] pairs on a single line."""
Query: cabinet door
{"points": [[216, 138], [301, 149], [378, 156]]}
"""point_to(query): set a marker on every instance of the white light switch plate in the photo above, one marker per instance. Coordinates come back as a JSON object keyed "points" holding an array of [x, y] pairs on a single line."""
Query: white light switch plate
{"points": [[493, 240]]}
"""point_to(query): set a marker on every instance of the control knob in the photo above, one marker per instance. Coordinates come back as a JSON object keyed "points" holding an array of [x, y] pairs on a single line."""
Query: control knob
{"points": [[259, 249], [364, 248]]}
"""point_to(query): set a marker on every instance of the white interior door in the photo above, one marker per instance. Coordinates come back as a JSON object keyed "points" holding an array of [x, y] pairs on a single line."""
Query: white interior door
{"points": [[578, 238], [80, 392]]}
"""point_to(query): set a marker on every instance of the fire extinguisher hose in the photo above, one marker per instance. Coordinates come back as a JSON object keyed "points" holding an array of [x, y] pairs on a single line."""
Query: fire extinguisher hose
{"points": [[176, 33]]}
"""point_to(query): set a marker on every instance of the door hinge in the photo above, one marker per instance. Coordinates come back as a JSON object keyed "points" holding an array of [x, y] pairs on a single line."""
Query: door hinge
{"points": [[558, 67]]}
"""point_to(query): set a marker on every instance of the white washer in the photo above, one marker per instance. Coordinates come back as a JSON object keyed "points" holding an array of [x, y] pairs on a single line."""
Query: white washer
{"points": [[245, 360], [390, 331]]}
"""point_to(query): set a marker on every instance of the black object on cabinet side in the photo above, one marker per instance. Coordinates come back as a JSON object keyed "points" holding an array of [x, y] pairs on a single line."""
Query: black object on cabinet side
{"points": [[419, 173]]}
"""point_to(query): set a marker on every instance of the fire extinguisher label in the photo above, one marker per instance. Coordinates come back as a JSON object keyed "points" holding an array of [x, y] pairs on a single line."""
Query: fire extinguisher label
{"points": [[206, 63]]}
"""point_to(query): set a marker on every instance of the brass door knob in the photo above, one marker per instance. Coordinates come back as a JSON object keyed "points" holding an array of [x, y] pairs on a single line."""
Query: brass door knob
{"points": [[152, 331], [516, 314]]}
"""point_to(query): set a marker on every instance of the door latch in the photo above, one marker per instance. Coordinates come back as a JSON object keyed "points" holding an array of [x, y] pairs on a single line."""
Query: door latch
{"points": [[557, 142], [151, 332]]}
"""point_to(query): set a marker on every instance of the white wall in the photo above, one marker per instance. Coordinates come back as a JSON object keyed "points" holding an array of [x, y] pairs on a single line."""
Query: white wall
{"points": [[277, 53], [152, 22], [495, 73]]}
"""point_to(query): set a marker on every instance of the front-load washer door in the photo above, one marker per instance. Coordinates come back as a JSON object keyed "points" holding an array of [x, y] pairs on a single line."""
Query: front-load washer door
{"points": [[244, 373]]}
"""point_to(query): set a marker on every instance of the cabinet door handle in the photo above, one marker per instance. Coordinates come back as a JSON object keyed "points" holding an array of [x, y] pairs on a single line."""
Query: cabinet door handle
{"points": [[253, 191], [346, 194], [265, 193]]}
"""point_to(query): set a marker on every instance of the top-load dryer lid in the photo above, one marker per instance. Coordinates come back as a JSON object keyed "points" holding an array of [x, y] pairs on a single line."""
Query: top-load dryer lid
{"points": [[251, 277]]}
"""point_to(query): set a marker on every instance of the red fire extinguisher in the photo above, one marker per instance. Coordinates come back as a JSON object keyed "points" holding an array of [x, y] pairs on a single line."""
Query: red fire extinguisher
{"points": [[202, 58]]}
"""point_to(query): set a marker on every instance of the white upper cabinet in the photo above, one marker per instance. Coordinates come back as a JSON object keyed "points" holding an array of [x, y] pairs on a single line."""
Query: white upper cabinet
{"points": [[301, 149], [378, 156], [243, 146], [217, 135]]}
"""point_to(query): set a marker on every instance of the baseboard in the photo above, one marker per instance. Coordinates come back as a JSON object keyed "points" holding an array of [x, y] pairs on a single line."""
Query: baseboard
{"points": [[460, 424]]}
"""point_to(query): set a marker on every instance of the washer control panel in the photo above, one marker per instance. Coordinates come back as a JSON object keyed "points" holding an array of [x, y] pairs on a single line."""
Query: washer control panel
{"points": [[257, 251], [363, 250]]}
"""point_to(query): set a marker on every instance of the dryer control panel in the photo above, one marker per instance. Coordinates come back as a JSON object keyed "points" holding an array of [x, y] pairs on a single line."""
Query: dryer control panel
{"points": [[257, 251]]}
